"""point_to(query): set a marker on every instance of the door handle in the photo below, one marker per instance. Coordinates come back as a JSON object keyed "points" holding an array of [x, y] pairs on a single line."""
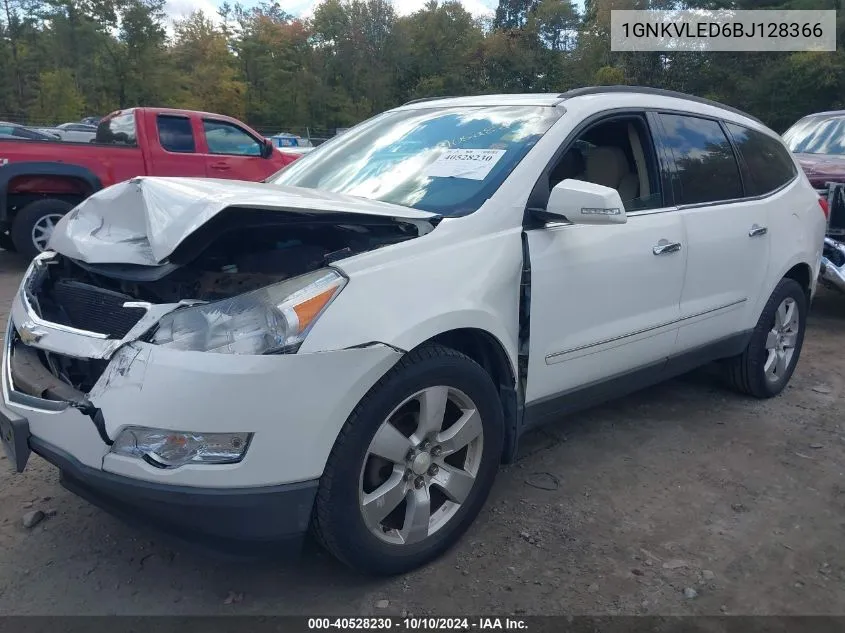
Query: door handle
{"points": [[757, 230], [664, 247], [220, 166]]}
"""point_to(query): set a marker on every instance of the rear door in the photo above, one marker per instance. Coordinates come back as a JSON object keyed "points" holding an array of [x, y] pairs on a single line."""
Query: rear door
{"points": [[726, 230], [177, 153], [233, 152]]}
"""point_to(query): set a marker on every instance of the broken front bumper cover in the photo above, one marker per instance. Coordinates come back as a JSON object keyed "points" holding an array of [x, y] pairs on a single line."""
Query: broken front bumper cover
{"points": [[240, 521], [832, 271], [294, 404]]}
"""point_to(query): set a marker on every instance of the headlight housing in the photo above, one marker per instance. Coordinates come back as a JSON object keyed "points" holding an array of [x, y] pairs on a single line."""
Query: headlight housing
{"points": [[275, 319], [171, 449]]}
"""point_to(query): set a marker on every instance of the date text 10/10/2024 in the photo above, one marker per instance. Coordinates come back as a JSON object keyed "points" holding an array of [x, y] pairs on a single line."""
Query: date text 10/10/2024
{"points": [[418, 624]]}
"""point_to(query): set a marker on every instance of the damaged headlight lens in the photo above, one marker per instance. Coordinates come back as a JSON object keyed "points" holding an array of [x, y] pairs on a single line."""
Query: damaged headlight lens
{"points": [[170, 449], [274, 319]]}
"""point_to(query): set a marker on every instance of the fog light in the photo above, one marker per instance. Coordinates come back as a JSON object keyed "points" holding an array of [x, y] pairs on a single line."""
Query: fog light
{"points": [[171, 449]]}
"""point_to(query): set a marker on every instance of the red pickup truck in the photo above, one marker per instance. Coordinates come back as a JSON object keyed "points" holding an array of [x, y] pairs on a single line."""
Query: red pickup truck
{"points": [[40, 181]]}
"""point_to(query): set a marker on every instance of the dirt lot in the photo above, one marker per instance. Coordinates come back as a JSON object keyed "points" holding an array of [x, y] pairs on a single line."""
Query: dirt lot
{"points": [[683, 499]]}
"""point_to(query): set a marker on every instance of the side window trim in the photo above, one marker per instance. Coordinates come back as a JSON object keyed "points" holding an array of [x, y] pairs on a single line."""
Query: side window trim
{"points": [[665, 157], [741, 167]]}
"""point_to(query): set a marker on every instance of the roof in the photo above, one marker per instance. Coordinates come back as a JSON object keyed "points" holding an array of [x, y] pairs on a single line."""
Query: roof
{"points": [[528, 99], [646, 94]]}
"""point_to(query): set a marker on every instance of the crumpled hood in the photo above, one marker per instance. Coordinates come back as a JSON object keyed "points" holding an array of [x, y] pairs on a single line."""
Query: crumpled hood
{"points": [[143, 220]]}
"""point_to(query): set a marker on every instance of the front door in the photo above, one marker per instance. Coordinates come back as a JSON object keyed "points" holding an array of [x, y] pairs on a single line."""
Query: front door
{"points": [[605, 299], [234, 153]]}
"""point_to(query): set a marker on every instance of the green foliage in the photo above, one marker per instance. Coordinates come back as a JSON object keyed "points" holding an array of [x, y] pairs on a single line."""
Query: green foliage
{"points": [[609, 76], [57, 97], [60, 59]]}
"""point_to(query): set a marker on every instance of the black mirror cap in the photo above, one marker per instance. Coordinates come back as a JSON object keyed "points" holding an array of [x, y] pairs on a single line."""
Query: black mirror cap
{"points": [[267, 148]]}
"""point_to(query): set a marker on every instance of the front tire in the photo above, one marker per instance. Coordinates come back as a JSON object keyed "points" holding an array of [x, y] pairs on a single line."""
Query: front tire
{"points": [[765, 367], [413, 465], [34, 223]]}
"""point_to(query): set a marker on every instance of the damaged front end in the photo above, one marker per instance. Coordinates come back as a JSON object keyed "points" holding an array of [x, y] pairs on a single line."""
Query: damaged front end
{"points": [[246, 281]]}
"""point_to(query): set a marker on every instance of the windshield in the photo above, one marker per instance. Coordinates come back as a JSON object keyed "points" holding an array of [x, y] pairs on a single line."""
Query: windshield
{"points": [[817, 135], [443, 160]]}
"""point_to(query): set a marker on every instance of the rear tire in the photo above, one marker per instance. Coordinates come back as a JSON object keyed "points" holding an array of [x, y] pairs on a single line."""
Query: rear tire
{"points": [[397, 491], [32, 225], [765, 367]]}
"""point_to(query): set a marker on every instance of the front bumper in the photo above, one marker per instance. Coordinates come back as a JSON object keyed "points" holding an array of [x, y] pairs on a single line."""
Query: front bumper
{"points": [[294, 405], [241, 521]]}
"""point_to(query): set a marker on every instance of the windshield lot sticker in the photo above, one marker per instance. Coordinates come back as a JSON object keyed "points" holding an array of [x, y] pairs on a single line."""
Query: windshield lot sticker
{"points": [[473, 164]]}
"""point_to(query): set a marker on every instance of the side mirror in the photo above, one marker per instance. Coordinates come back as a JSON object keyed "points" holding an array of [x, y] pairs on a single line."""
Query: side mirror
{"points": [[267, 148], [583, 202]]}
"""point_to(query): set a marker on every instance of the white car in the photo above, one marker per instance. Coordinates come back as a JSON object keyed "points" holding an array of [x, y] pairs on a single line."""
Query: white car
{"points": [[357, 344], [77, 132]]}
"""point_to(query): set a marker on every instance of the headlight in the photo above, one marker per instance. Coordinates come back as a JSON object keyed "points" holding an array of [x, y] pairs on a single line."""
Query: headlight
{"points": [[170, 449], [272, 319]]}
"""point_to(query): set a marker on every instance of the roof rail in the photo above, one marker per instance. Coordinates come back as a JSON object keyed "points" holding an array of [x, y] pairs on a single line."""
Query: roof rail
{"points": [[424, 99], [592, 90]]}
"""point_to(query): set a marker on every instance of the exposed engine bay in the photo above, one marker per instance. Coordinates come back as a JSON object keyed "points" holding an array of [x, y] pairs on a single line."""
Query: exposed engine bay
{"points": [[218, 262], [235, 262]]}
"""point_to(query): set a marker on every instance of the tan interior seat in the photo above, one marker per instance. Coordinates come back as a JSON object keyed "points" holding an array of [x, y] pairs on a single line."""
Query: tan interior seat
{"points": [[607, 165]]}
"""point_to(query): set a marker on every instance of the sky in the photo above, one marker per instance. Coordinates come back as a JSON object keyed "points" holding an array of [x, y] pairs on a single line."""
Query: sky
{"points": [[303, 8]]}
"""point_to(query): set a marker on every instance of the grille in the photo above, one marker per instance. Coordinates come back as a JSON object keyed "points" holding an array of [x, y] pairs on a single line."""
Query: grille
{"points": [[88, 307]]}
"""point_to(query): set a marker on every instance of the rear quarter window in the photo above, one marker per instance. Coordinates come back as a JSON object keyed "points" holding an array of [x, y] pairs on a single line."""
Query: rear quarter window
{"points": [[175, 134], [119, 130], [768, 164]]}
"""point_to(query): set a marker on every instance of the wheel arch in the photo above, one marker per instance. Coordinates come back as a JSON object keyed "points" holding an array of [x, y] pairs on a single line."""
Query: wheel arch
{"points": [[14, 174], [803, 274], [489, 352]]}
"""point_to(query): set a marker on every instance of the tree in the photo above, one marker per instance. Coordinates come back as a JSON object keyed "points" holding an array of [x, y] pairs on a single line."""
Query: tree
{"points": [[58, 98], [513, 14], [207, 78]]}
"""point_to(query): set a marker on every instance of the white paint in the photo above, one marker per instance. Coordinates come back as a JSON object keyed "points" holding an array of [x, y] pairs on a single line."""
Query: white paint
{"points": [[143, 220], [601, 304], [472, 164]]}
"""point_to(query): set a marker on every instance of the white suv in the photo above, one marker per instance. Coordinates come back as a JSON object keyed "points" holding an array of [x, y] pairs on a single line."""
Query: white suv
{"points": [[358, 343]]}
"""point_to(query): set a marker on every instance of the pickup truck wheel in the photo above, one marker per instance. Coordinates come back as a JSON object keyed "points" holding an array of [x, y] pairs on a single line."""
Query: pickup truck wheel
{"points": [[413, 464], [33, 225], [766, 365]]}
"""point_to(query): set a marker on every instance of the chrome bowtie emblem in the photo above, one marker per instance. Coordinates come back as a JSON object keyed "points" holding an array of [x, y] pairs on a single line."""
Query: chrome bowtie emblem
{"points": [[29, 333]]}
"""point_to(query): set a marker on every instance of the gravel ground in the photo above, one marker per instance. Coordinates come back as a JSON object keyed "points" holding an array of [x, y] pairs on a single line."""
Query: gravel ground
{"points": [[682, 499]]}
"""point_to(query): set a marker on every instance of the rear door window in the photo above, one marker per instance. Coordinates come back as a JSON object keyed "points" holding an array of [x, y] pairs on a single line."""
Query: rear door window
{"points": [[176, 134], [705, 165], [768, 164]]}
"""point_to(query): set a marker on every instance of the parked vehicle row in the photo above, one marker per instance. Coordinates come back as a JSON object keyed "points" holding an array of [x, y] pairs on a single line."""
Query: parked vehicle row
{"points": [[818, 141], [41, 182], [355, 345]]}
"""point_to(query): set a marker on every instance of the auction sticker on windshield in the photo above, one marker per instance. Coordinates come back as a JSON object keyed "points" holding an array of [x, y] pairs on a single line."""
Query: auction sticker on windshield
{"points": [[473, 164]]}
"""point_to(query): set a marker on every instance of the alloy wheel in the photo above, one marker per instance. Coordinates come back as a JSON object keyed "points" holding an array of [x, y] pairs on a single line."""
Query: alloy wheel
{"points": [[781, 340], [43, 229], [421, 465]]}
